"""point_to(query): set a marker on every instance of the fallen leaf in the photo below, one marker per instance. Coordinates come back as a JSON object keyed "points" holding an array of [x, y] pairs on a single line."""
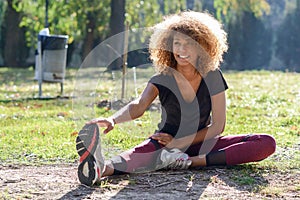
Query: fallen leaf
{"points": [[44, 133], [36, 105], [62, 114], [294, 128], [75, 133]]}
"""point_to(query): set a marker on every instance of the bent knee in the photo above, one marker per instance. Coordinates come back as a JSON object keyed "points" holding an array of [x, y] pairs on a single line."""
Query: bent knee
{"points": [[269, 144]]}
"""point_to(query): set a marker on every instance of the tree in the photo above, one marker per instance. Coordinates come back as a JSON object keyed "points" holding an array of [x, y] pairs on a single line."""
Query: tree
{"points": [[77, 19], [288, 40], [249, 43], [190, 4], [142, 15], [117, 25], [249, 48], [117, 16], [95, 29], [15, 53], [2, 11], [89, 22], [228, 9]]}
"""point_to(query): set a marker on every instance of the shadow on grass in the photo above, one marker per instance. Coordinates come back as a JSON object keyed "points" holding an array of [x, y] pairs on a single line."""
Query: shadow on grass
{"points": [[35, 99]]}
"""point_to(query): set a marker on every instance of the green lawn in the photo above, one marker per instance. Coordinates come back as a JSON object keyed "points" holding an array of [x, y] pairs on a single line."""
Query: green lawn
{"points": [[35, 131]]}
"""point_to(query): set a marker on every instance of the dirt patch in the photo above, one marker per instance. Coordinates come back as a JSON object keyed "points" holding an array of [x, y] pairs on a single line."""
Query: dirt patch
{"points": [[60, 182]]}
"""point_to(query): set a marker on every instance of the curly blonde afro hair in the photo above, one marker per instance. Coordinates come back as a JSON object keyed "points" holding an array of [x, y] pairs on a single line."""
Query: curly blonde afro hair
{"points": [[201, 27]]}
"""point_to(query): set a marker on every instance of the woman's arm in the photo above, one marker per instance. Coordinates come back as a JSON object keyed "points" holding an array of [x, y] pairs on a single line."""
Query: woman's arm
{"points": [[215, 128], [137, 107], [131, 111]]}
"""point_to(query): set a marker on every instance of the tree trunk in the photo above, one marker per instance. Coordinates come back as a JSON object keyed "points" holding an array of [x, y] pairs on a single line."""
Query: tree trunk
{"points": [[88, 43], [162, 6], [117, 25], [117, 17], [15, 50], [190, 4]]}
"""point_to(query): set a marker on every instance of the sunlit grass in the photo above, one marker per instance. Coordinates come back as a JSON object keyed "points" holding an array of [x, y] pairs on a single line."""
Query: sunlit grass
{"points": [[42, 131]]}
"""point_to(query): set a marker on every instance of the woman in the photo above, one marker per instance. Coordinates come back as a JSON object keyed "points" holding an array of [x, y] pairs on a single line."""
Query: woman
{"points": [[186, 50]]}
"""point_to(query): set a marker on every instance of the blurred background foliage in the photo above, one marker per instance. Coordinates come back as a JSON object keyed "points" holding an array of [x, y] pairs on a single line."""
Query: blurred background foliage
{"points": [[262, 34]]}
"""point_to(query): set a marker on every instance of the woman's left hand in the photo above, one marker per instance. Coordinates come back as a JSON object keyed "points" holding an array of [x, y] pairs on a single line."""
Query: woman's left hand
{"points": [[165, 139]]}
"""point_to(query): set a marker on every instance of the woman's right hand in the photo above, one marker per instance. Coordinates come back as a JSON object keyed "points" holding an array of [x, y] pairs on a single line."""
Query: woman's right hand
{"points": [[108, 123]]}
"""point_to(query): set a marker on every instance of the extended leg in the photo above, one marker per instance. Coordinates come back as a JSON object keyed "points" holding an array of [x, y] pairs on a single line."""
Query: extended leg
{"points": [[149, 156]]}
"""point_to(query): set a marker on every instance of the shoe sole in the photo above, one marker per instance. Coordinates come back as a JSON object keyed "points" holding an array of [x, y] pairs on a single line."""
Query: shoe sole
{"points": [[86, 144]]}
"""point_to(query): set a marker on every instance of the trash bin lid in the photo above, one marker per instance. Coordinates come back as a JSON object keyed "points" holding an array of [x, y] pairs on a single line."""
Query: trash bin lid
{"points": [[53, 42]]}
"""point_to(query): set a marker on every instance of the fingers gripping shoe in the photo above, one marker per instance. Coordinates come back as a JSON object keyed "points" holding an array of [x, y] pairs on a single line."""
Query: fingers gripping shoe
{"points": [[91, 159], [173, 159]]}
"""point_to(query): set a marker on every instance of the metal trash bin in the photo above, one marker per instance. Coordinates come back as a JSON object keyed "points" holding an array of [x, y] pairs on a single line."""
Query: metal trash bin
{"points": [[51, 59]]}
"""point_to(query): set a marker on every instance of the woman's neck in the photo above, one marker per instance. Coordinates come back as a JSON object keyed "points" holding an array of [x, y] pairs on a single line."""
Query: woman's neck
{"points": [[189, 72]]}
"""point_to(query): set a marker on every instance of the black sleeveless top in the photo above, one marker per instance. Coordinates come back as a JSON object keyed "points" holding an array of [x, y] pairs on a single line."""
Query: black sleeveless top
{"points": [[180, 118]]}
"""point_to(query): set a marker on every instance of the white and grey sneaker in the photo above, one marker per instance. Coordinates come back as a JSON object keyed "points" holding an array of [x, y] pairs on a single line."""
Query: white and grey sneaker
{"points": [[91, 160], [173, 159]]}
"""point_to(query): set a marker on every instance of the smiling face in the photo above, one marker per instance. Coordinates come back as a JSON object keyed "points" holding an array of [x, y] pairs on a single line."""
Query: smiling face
{"points": [[185, 50]]}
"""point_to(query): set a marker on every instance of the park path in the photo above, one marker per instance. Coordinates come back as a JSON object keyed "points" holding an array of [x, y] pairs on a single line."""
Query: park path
{"points": [[60, 182]]}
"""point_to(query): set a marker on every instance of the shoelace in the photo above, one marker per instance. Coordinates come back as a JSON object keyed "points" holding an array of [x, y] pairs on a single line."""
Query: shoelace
{"points": [[180, 164]]}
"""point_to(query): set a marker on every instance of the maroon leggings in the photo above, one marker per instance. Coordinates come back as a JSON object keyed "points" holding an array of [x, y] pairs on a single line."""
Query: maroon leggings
{"points": [[237, 149]]}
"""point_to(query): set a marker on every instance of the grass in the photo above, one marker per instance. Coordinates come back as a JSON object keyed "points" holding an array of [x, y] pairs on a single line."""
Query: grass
{"points": [[43, 131], [267, 102]]}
